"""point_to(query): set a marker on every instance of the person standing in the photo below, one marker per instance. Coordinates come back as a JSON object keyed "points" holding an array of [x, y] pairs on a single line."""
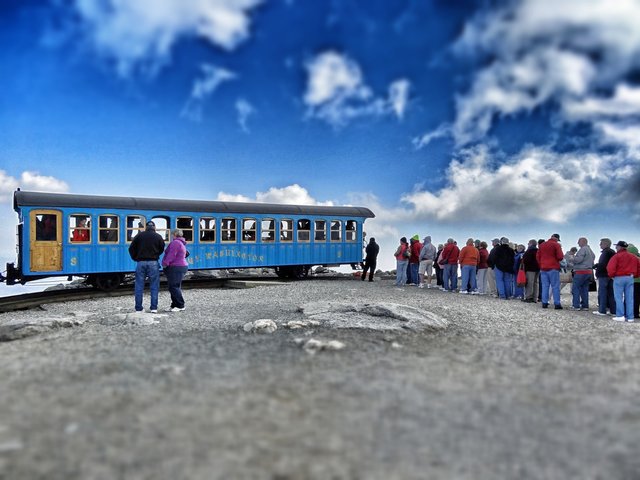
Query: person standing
{"points": [[469, 258], [491, 274], [145, 249], [636, 285], [449, 262], [583, 261], [502, 259], [427, 257], [175, 268], [402, 260], [414, 261], [549, 257], [371, 259], [605, 283], [623, 267], [437, 267], [532, 272], [483, 267]]}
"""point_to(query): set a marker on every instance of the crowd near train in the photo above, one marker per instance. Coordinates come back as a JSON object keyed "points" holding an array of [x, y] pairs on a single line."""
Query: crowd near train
{"points": [[532, 274]]}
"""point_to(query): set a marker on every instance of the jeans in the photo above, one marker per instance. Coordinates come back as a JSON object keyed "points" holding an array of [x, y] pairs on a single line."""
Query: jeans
{"points": [[504, 283], [605, 295], [174, 279], [481, 280], [450, 276], [414, 273], [401, 272], [550, 278], [581, 290], [469, 276], [147, 269], [623, 292]]}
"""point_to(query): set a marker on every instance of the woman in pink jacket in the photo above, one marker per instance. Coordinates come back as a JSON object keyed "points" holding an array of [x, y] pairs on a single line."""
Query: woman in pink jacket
{"points": [[175, 267]]}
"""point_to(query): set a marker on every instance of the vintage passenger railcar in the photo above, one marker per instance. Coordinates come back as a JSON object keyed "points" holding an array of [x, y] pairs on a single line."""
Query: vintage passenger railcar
{"points": [[87, 235]]}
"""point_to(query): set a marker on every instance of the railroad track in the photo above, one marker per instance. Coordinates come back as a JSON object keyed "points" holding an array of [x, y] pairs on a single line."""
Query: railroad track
{"points": [[33, 300]]}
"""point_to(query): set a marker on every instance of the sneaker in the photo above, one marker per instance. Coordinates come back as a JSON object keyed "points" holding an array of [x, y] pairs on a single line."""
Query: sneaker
{"points": [[630, 320], [558, 307], [599, 313], [421, 285], [464, 292], [153, 311], [177, 309], [475, 293], [619, 319]]}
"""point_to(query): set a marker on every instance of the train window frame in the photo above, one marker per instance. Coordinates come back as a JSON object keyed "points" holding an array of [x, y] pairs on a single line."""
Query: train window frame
{"points": [[268, 234], [186, 230], [73, 219], [351, 234], [108, 229], [338, 231], [322, 230], [249, 235], [233, 230], [139, 229], [303, 235], [202, 231], [165, 232], [286, 230]]}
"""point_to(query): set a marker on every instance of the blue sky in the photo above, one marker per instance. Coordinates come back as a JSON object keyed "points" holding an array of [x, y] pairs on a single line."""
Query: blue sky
{"points": [[463, 119]]}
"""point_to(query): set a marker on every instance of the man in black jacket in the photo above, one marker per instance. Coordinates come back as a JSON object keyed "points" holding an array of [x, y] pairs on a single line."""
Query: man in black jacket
{"points": [[502, 260], [370, 260], [146, 249], [605, 284]]}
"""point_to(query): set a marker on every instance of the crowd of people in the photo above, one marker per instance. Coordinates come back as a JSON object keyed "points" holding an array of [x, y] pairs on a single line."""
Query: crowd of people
{"points": [[532, 274]]}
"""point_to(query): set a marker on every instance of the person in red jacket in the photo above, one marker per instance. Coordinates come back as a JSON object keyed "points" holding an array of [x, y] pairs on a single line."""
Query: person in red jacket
{"points": [[623, 267], [549, 256], [449, 263]]}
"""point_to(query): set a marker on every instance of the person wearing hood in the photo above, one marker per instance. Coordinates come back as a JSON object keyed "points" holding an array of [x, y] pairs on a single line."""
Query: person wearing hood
{"points": [[175, 267], [427, 257]]}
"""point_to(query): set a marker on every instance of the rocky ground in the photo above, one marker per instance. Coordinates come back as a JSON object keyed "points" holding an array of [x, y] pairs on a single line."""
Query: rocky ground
{"points": [[358, 380]]}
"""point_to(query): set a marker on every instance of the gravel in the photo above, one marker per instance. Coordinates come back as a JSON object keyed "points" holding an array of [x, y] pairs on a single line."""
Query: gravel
{"points": [[506, 390]]}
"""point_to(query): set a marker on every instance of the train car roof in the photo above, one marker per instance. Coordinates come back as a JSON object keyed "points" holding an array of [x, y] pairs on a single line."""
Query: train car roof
{"points": [[41, 199]]}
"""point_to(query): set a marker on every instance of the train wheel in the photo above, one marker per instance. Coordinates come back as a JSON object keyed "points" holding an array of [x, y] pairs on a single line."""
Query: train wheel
{"points": [[108, 281], [300, 272]]}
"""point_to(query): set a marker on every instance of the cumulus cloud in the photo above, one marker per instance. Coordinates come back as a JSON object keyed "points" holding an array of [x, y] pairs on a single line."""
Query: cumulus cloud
{"points": [[336, 92], [292, 194], [537, 184], [244, 110], [29, 181], [542, 51], [141, 33], [203, 88]]}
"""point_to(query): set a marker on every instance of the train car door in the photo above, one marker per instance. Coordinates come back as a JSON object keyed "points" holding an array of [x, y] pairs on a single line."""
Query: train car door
{"points": [[46, 240]]}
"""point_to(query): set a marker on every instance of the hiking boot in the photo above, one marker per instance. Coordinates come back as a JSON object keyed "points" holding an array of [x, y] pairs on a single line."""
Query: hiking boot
{"points": [[545, 305], [558, 307]]}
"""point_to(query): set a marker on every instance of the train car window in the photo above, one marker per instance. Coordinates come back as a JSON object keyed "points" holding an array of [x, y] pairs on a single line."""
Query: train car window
{"points": [[268, 230], [336, 231], [351, 230], [207, 229], [186, 225], [228, 229], [304, 230], [108, 231], [249, 230], [320, 234], [286, 230], [79, 228], [135, 225], [162, 227], [46, 227]]}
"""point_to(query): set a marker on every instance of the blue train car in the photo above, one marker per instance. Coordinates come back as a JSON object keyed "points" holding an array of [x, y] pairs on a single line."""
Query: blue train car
{"points": [[87, 235]]}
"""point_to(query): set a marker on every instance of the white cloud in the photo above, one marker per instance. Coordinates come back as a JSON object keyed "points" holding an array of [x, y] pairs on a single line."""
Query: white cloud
{"points": [[292, 194], [336, 91], [443, 130], [537, 184], [29, 181], [543, 51], [624, 102], [203, 88], [8, 184], [142, 33], [244, 110]]}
